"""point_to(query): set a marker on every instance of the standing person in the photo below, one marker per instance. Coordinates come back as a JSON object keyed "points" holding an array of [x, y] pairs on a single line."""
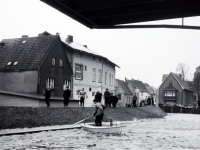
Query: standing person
{"points": [[82, 95], [99, 112], [149, 100], [66, 95], [98, 96], [134, 100], [106, 97], [47, 95]]}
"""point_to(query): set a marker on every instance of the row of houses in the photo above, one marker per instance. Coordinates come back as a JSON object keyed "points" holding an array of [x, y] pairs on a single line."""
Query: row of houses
{"points": [[30, 64]]}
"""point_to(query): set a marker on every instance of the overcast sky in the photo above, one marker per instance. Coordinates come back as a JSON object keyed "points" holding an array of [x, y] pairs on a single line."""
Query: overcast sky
{"points": [[142, 54]]}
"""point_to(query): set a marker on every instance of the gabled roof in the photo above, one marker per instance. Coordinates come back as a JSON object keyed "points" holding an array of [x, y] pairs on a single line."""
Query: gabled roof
{"points": [[77, 46], [149, 88], [28, 53], [138, 84], [124, 87], [112, 13], [184, 85], [164, 77]]}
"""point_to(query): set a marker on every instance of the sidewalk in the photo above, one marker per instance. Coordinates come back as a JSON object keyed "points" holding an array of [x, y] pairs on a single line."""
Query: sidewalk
{"points": [[36, 129]]}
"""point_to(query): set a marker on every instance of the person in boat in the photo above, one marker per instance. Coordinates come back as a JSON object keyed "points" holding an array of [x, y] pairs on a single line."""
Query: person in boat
{"points": [[99, 112]]}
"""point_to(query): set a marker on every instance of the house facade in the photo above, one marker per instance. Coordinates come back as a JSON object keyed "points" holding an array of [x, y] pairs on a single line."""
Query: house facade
{"points": [[196, 82], [30, 64], [174, 90], [123, 92], [91, 71], [137, 87]]}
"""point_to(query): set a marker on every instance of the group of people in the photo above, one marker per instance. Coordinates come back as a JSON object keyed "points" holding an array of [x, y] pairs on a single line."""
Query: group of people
{"points": [[110, 99], [66, 95]]}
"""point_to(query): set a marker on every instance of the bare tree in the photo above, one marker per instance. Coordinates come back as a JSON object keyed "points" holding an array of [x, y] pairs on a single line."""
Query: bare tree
{"points": [[183, 70]]}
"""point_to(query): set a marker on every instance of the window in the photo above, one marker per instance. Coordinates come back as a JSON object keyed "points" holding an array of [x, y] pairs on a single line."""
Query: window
{"points": [[78, 72], [109, 79], [85, 68], [66, 83], [15, 63], [93, 74], [53, 63], [105, 77], [60, 63], [50, 82], [9, 63], [170, 93], [170, 83], [99, 75], [112, 81], [77, 92], [93, 93]]}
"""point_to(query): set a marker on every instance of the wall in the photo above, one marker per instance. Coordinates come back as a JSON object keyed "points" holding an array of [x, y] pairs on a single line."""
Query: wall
{"points": [[175, 84], [58, 73], [87, 61], [20, 117], [31, 101], [24, 81]]}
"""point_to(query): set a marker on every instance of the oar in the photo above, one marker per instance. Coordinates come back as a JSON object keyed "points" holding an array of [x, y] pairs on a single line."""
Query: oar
{"points": [[81, 121]]}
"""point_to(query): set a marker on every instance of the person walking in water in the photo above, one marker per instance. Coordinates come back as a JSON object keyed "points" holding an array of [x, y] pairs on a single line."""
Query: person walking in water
{"points": [[99, 112], [66, 96], [82, 95]]}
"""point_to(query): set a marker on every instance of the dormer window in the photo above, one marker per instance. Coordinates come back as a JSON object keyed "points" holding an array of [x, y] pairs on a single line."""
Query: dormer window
{"points": [[23, 41], [9, 63], [15, 63]]}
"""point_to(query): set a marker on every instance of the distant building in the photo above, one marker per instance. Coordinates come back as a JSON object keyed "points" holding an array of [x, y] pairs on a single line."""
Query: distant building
{"points": [[137, 87], [196, 84], [123, 92], [174, 90]]}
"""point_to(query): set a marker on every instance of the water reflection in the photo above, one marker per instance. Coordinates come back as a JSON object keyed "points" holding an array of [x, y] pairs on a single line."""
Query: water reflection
{"points": [[175, 131]]}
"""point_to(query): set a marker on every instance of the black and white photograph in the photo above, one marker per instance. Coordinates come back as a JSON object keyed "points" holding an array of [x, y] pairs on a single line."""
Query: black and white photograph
{"points": [[99, 74]]}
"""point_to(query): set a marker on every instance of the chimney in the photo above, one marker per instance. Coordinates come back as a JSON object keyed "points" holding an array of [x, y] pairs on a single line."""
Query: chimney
{"points": [[58, 34], [69, 39], [24, 36], [85, 46]]}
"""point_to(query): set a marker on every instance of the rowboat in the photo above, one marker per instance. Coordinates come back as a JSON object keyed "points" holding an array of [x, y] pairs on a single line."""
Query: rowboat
{"points": [[102, 129]]}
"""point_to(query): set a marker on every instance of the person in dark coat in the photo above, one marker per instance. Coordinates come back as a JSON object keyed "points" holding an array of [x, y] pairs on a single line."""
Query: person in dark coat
{"points": [[98, 96], [134, 100], [149, 100], [99, 112], [47, 95], [113, 100], [106, 97], [66, 96]]}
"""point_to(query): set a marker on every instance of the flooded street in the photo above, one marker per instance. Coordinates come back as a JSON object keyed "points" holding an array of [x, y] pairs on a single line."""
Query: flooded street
{"points": [[175, 131]]}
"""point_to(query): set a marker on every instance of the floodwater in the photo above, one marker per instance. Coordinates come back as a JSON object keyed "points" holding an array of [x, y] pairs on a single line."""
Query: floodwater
{"points": [[175, 131]]}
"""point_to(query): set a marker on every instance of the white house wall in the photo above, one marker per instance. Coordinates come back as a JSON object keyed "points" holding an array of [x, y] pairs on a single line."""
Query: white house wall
{"points": [[86, 83]]}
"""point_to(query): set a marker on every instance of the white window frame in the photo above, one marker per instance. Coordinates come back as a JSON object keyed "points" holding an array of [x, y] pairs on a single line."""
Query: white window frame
{"points": [[60, 63], [67, 83], [78, 72], [99, 75], [53, 61], [93, 74], [50, 82]]}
